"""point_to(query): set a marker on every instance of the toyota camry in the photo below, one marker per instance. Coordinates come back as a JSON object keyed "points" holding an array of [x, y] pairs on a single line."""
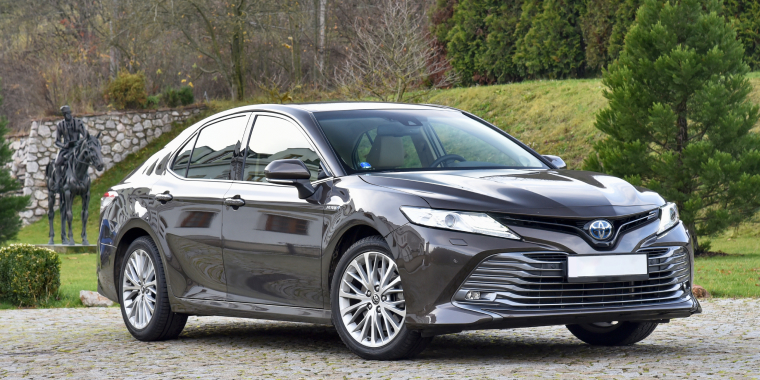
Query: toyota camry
{"points": [[392, 222]]}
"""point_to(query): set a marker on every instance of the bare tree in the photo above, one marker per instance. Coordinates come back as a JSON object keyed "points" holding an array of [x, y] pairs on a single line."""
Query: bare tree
{"points": [[391, 55]]}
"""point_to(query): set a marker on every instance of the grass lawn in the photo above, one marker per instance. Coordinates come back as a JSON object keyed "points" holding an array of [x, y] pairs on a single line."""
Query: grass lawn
{"points": [[77, 273]]}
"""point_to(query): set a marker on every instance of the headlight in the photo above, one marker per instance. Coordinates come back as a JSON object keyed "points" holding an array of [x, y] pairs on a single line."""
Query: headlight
{"points": [[474, 222], [668, 217]]}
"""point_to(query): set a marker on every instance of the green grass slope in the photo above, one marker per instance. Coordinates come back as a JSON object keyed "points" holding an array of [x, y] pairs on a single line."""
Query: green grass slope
{"points": [[553, 117]]}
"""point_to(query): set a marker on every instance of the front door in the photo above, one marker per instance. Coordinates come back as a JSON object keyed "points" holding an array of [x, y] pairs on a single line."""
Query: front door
{"points": [[189, 199], [272, 252]]}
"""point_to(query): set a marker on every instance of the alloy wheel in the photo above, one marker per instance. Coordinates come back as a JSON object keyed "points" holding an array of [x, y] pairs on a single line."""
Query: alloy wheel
{"points": [[371, 299], [139, 289]]}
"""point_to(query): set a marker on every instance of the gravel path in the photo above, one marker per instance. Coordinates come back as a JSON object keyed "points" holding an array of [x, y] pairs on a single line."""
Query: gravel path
{"points": [[723, 342]]}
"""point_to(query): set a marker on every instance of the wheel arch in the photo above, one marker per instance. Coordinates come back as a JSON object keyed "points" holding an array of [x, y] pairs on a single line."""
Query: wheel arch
{"points": [[131, 231], [345, 240]]}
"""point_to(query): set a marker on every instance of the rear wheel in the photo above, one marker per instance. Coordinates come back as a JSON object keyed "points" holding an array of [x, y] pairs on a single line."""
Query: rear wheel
{"points": [[143, 294], [612, 333], [368, 306]]}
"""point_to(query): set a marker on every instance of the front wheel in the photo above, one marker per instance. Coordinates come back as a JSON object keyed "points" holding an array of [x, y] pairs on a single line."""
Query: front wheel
{"points": [[612, 333], [368, 306], [144, 296]]}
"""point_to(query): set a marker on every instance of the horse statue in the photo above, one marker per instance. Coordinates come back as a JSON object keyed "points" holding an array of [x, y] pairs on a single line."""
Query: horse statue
{"points": [[70, 180]]}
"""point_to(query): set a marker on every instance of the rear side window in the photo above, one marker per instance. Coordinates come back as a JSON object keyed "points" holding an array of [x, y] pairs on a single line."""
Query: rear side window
{"points": [[276, 139], [217, 148], [180, 163]]}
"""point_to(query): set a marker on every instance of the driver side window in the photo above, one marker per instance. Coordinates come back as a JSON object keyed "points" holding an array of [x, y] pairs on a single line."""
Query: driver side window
{"points": [[272, 139]]}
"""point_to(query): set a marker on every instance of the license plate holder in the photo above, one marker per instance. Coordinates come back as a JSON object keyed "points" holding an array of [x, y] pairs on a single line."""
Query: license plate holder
{"points": [[607, 268]]}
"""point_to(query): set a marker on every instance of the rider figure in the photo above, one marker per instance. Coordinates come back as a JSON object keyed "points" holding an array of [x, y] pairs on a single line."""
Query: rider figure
{"points": [[68, 132]]}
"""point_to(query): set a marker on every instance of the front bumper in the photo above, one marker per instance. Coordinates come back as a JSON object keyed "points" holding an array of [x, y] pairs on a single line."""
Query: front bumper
{"points": [[523, 283]]}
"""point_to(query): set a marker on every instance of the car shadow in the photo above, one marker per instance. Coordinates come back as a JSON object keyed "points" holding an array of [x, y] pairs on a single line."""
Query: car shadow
{"points": [[504, 345]]}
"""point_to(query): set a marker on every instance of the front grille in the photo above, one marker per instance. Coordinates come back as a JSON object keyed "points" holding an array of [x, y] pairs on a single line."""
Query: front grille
{"points": [[575, 226], [537, 281]]}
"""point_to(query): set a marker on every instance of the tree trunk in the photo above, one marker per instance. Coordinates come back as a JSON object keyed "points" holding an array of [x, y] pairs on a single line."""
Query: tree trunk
{"points": [[237, 53], [692, 228], [321, 42]]}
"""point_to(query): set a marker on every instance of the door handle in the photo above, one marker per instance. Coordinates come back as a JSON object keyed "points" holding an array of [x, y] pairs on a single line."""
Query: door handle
{"points": [[234, 202], [164, 197]]}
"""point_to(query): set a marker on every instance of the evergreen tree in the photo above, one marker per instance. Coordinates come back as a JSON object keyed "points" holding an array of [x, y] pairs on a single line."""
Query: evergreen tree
{"points": [[10, 204], [625, 15], [678, 119], [553, 46], [465, 39], [747, 16], [604, 25]]}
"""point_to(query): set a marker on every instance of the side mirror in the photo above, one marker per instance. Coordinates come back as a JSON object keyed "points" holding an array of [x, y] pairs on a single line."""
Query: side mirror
{"points": [[290, 172], [556, 161]]}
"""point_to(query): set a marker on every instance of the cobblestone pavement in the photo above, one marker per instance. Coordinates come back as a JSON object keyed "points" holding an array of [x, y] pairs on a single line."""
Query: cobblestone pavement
{"points": [[723, 342]]}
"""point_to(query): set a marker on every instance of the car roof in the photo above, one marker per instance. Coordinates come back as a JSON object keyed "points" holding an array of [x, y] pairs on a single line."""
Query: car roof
{"points": [[338, 106]]}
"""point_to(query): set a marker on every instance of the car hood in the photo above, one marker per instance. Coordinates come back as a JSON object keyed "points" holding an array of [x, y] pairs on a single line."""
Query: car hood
{"points": [[565, 193]]}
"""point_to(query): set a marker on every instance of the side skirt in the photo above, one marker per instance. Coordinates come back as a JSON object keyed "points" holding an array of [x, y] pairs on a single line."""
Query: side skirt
{"points": [[250, 310]]}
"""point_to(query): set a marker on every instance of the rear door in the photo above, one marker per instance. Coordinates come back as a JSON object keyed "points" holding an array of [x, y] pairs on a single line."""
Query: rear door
{"points": [[272, 251], [190, 197]]}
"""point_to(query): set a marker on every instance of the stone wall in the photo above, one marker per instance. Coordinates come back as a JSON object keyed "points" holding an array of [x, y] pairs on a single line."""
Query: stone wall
{"points": [[123, 133]]}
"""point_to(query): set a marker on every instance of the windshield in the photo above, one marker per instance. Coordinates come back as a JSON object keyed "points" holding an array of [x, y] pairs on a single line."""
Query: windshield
{"points": [[406, 140]]}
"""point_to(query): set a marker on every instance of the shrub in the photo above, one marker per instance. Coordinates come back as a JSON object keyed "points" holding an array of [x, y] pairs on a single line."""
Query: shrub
{"points": [[186, 96], [152, 101], [28, 274], [171, 98], [127, 91]]}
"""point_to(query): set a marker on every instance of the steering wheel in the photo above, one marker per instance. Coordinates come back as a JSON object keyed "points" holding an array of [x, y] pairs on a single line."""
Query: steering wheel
{"points": [[445, 158]]}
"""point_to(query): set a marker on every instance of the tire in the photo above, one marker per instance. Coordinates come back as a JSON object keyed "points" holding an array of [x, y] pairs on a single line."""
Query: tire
{"points": [[613, 334], [163, 324], [392, 340]]}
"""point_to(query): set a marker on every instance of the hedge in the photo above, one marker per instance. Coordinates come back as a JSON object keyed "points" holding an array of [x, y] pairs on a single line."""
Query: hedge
{"points": [[28, 274]]}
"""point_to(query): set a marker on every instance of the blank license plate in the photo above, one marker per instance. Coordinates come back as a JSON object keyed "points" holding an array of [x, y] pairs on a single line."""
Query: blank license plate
{"points": [[607, 268]]}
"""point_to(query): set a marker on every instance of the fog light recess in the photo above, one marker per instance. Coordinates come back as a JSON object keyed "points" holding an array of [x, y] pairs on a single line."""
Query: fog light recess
{"points": [[472, 295]]}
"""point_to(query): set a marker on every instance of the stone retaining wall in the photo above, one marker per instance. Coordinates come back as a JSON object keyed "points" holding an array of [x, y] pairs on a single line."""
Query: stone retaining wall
{"points": [[123, 133]]}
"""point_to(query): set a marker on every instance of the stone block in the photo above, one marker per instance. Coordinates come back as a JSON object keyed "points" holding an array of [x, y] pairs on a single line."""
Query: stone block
{"points": [[135, 141], [157, 133], [113, 133], [105, 149], [149, 132], [106, 139], [126, 143], [124, 119], [120, 127], [28, 183], [100, 127], [44, 131], [117, 148], [39, 175], [40, 211], [136, 118], [43, 161], [147, 124], [33, 149], [116, 157], [32, 203], [48, 142], [43, 203], [175, 113], [158, 123], [110, 124], [40, 194], [40, 183], [137, 127], [120, 137], [93, 299], [143, 143], [140, 135], [135, 148], [32, 167]]}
